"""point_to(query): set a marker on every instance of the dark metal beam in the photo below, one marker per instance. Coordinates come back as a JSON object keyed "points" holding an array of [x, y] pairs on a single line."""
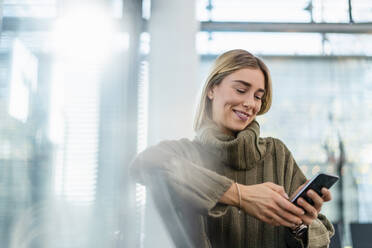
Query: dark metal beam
{"points": [[352, 28], [46, 24], [27, 24], [351, 20]]}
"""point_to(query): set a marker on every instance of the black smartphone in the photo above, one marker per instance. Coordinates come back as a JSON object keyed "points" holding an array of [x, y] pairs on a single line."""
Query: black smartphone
{"points": [[316, 183]]}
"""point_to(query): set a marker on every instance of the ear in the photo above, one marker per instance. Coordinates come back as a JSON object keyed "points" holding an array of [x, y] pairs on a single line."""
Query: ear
{"points": [[211, 93]]}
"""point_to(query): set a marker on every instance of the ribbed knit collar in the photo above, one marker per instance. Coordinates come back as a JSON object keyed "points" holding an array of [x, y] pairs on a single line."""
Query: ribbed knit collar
{"points": [[241, 152]]}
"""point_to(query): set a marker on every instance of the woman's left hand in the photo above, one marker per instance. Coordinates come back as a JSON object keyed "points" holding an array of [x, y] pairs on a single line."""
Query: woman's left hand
{"points": [[312, 211]]}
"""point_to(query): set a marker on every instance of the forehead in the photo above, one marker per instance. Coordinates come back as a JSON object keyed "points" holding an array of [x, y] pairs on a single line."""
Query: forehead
{"points": [[253, 76]]}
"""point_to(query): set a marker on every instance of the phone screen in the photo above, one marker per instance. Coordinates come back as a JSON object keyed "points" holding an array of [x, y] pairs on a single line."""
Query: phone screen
{"points": [[316, 183]]}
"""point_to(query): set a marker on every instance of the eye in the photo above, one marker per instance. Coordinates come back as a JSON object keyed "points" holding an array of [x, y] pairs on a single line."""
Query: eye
{"points": [[242, 91], [258, 97]]}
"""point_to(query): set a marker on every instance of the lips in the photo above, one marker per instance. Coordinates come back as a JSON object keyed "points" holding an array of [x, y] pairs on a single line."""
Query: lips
{"points": [[242, 115]]}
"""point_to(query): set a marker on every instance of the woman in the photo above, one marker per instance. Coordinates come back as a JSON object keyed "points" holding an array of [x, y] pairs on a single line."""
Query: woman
{"points": [[229, 187]]}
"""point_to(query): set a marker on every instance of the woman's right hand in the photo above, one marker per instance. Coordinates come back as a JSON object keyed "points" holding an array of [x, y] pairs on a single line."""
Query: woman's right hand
{"points": [[269, 203]]}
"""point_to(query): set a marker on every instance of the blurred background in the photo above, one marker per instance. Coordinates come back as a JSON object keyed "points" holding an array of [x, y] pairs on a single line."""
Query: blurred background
{"points": [[86, 85]]}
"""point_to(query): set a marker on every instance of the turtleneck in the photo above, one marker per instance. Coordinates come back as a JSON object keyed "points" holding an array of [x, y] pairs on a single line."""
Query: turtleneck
{"points": [[187, 182], [241, 152]]}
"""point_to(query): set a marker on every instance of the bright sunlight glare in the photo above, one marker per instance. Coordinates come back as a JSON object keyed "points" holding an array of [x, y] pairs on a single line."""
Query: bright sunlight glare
{"points": [[87, 35]]}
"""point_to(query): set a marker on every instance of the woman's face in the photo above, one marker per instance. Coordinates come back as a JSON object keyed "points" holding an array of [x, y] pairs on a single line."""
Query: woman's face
{"points": [[237, 99]]}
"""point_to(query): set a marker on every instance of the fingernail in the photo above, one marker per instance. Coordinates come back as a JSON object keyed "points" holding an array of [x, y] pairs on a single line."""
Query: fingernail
{"points": [[286, 196]]}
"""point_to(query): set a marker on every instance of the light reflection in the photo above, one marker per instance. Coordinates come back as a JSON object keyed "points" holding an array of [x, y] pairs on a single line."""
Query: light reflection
{"points": [[84, 40], [74, 127], [260, 43], [87, 35], [316, 169], [330, 169], [23, 81], [304, 168]]}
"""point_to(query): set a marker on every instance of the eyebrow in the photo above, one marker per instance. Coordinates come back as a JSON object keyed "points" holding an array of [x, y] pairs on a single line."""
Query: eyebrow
{"points": [[248, 85]]}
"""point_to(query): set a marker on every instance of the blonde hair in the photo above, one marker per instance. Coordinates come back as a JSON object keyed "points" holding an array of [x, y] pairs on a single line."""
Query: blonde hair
{"points": [[224, 65]]}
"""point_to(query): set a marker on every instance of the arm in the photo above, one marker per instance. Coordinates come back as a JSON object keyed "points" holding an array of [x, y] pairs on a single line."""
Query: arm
{"points": [[165, 168], [267, 202]]}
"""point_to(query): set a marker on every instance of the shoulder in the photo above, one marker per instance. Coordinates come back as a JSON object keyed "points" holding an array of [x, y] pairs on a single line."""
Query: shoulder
{"points": [[274, 146], [166, 150], [182, 146], [278, 145], [177, 144], [287, 168]]}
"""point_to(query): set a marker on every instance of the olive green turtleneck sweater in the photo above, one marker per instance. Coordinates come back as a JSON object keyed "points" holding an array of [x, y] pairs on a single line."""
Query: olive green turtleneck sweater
{"points": [[187, 179]]}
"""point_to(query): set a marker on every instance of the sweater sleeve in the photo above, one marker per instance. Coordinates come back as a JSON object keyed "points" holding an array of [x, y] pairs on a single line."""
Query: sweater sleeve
{"points": [[178, 180], [321, 230]]}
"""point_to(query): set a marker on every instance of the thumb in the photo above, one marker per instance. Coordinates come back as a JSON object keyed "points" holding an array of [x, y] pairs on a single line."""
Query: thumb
{"points": [[299, 188]]}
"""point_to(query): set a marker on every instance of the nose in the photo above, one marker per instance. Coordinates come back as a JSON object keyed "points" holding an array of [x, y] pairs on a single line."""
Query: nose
{"points": [[249, 102]]}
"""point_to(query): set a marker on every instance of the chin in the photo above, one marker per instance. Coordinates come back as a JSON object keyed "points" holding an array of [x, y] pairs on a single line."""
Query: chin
{"points": [[233, 126]]}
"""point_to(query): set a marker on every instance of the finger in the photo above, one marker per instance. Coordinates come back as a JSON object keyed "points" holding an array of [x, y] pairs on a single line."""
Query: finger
{"points": [[276, 218], [298, 189], [317, 199], [290, 207], [309, 209], [327, 196], [307, 220], [310, 214], [287, 216], [279, 189]]}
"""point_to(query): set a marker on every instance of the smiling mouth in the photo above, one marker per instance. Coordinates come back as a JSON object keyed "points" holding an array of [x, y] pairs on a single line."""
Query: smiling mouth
{"points": [[242, 115]]}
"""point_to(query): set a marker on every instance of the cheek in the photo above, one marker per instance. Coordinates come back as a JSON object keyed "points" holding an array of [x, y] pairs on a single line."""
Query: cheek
{"points": [[218, 109], [232, 100], [226, 102], [257, 107]]}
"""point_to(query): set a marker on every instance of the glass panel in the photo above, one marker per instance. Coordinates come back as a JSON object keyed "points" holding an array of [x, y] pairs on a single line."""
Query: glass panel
{"points": [[37, 42], [318, 105], [143, 88], [260, 43], [59, 170], [146, 9], [30, 8], [327, 104], [75, 94], [330, 11], [281, 11], [349, 44], [116, 8], [254, 11], [362, 10], [286, 43]]}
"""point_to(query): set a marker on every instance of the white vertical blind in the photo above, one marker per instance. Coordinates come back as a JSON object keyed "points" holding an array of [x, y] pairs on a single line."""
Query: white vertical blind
{"points": [[76, 93], [142, 143], [142, 104]]}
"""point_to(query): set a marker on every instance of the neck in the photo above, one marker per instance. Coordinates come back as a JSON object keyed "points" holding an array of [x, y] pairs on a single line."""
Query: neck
{"points": [[227, 131], [241, 151]]}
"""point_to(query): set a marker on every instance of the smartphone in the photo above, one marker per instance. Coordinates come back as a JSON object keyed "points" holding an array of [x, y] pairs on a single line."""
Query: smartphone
{"points": [[316, 183]]}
